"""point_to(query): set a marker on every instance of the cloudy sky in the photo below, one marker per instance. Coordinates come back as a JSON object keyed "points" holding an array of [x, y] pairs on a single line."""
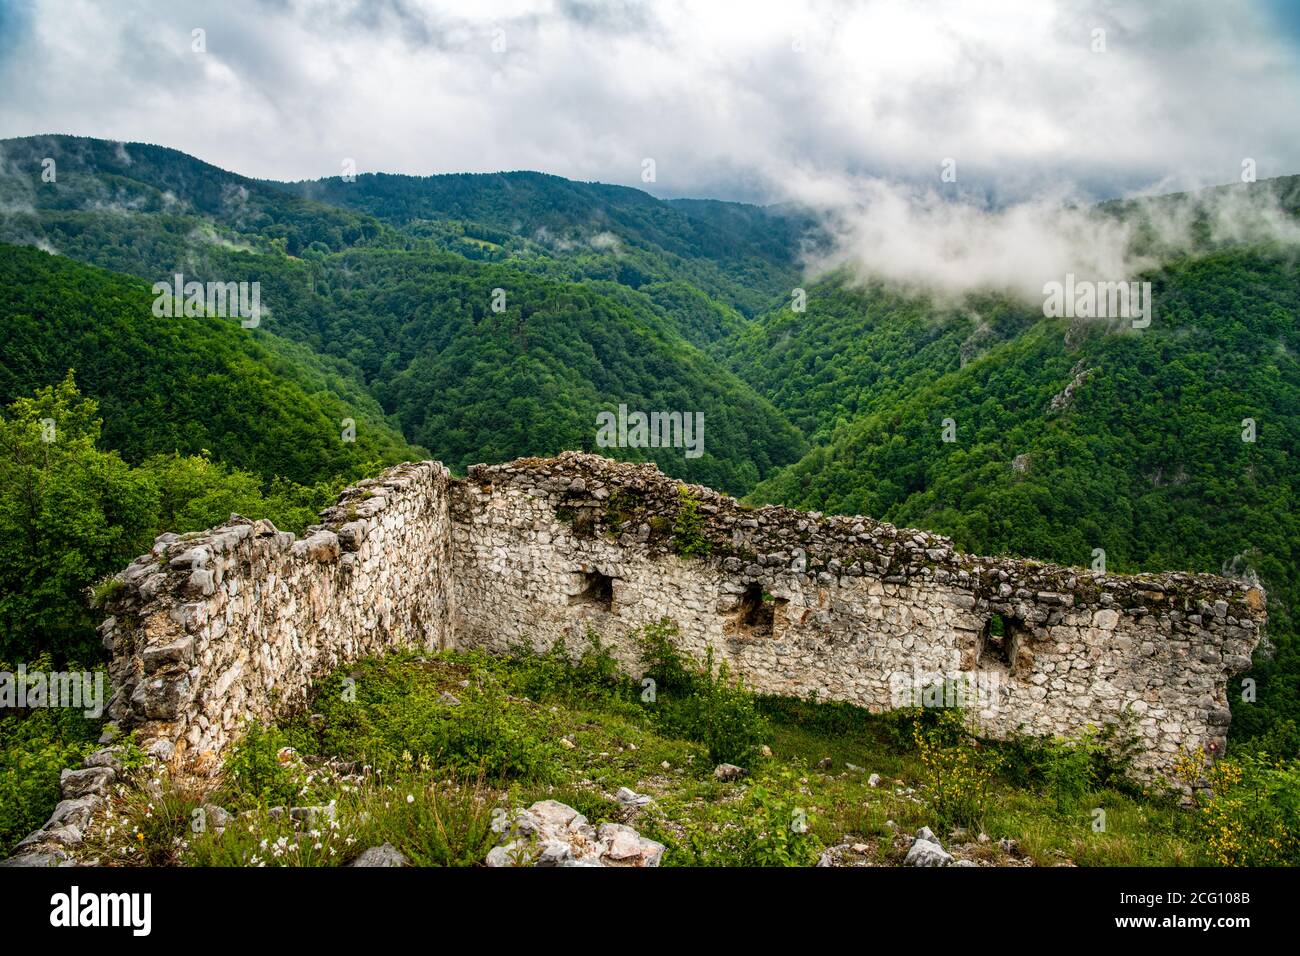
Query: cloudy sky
{"points": [[744, 100]]}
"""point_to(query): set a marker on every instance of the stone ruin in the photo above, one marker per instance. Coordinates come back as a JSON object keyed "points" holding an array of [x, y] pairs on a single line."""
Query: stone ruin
{"points": [[237, 622]]}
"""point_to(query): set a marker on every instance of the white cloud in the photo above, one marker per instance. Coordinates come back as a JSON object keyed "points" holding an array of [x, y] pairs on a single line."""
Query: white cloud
{"points": [[848, 106], [716, 92], [918, 238]]}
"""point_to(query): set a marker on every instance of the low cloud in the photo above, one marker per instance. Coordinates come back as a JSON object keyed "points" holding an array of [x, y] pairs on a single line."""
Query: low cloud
{"points": [[923, 240]]}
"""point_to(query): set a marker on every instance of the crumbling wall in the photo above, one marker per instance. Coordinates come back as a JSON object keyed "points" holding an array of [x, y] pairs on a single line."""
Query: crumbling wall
{"points": [[210, 629], [213, 628], [846, 608], [238, 621]]}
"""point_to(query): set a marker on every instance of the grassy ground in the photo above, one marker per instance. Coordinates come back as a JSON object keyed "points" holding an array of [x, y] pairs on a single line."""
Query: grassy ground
{"points": [[418, 752]]}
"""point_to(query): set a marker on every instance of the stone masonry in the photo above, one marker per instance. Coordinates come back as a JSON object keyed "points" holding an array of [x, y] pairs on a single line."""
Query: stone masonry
{"points": [[846, 608], [210, 629], [237, 622]]}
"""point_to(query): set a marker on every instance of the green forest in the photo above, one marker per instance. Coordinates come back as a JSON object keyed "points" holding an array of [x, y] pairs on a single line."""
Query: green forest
{"points": [[478, 318]]}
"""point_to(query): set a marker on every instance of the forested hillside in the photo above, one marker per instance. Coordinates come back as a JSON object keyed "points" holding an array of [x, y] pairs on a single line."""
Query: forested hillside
{"points": [[405, 317], [743, 255], [182, 385], [484, 317]]}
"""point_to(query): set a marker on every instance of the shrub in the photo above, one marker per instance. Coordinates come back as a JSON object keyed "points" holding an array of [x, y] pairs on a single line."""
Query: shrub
{"points": [[723, 716], [765, 828], [255, 773], [1249, 815], [831, 718], [901, 724], [488, 735], [701, 703], [594, 678], [688, 528], [1069, 767], [394, 705], [956, 769], [35, 746], [661, 660]]}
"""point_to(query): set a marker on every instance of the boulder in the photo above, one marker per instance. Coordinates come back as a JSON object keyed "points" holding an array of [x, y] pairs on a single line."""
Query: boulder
{"points": [[385, 855], [926, 851], [630, 798], [550, 833], [92, 780]]}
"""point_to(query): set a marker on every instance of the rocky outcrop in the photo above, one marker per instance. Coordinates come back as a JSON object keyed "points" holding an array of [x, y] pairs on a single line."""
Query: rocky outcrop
{"points": [[550, 833]]}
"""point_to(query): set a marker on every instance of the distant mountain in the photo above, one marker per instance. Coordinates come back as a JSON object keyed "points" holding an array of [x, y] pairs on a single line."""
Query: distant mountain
{"points": [[741, 254], [405, 310]]}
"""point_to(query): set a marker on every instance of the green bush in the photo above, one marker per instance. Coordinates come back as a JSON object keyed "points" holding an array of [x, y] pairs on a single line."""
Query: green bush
{"points": [[767, 827], [488, 735], [1250, 814], [956, 769], [35, 746], [383, 709], [1069, 767], [256, 775], [594, 678], [688, 528], [700, 703], [661, 661], [901, 724]]}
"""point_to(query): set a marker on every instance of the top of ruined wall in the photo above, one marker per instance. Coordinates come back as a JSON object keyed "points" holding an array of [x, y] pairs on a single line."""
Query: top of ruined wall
{"points": [[179, 566], [638, 505]]}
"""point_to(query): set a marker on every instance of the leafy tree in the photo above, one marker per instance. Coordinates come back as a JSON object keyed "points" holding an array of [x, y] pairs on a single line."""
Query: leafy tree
{"points": [[69, 514]]}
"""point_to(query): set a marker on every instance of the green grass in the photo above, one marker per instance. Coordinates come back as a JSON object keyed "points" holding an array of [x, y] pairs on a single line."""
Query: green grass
{"points": [[403, 764]]}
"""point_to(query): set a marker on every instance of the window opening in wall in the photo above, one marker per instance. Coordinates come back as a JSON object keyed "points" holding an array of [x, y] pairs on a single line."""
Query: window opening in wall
{"points": [[756, 614], [999, 640], [597, 591]]}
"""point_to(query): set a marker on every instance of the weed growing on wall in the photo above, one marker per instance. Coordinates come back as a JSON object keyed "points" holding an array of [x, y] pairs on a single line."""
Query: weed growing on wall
{"points": [[688, 528]]}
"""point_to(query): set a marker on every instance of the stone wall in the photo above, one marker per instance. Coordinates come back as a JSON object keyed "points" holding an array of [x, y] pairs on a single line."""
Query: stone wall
{"points": [[237, 622], [213, 628], [844, 607]]}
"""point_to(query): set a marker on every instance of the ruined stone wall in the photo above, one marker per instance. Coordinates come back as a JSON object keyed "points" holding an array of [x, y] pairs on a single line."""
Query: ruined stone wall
{"points": [[213, 628], [237, 622], [844, 607]]}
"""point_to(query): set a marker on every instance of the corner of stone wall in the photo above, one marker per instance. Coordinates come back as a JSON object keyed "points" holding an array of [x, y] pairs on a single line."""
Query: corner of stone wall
{"points": [[212, 627]]}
